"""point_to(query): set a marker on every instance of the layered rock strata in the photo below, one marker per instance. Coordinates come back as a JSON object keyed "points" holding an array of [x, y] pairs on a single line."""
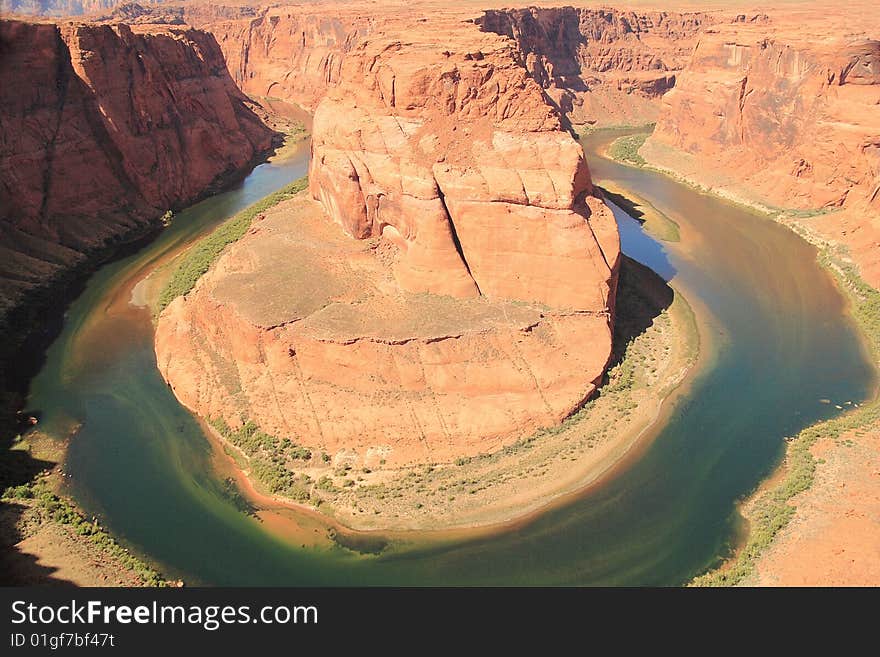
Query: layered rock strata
{"points": [[102, 129], [601, 66], [786, 119], [449, 291]]}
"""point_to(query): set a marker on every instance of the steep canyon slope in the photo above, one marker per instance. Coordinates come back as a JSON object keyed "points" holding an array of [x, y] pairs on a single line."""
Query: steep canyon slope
{"points": [[601, 66], [102, 129], [784, 112], [597, 66]]}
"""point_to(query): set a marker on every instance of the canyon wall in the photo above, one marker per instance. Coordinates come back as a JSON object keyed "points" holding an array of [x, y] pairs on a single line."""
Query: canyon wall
{"points": [[597, 66], [601, 66], [102, 129], [474, 303], [293, 54], [61, 8], [786, 120]]}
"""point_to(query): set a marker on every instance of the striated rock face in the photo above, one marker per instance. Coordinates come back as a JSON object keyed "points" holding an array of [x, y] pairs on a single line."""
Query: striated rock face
{"points": [[784, 119], [458, 160], [597, 66], [102, 129], [450, 289], [288, 53], [601, 65]]}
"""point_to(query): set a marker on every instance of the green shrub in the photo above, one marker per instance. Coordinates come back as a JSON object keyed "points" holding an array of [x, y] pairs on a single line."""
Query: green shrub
{"points": [[64, 512], [626, 149]]}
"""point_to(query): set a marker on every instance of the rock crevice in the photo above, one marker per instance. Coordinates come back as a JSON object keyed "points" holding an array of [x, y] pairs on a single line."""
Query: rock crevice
{"points": [[467, 273]]}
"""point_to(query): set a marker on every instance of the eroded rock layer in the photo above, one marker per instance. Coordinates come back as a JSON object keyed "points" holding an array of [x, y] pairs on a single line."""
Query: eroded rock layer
{"points": [[596, 66], [456, 157], [102, 129], [305, 331], [450, 289], [786, 114], [601, 66]]}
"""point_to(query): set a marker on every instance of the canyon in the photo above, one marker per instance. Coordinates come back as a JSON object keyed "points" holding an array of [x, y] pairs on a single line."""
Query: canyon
{"points": [[448, 284], [459, 178], [784, 114], [105, 129]]}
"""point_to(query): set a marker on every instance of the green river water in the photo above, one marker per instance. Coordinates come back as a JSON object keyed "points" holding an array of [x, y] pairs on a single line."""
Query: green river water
{"points": [[781, 341]]}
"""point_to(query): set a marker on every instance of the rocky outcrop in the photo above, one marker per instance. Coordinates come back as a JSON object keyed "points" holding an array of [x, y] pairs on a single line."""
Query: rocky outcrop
{"points": [[601, 66], [596, 66], [458, 160], [103, 129], [345, 362], [775, 117], [290, 53], [461, 275]]}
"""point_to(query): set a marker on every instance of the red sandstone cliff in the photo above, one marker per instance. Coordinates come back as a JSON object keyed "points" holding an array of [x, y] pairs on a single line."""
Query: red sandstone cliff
{"points": [[452, 153], [598, 66], [448, 325], [784, 118], [102, 129], [601, 66], [289, 53]]}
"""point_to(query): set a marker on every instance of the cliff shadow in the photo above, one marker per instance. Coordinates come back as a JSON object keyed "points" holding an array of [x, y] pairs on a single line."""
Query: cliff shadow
{"points": [[18, 567], [642, 295], [18, 468]]}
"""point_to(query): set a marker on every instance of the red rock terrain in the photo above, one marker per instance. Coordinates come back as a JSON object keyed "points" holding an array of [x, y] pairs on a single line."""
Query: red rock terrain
{"points": [[102, 129], [784, 112], [597, 66], [474, 303], [601, 66]]}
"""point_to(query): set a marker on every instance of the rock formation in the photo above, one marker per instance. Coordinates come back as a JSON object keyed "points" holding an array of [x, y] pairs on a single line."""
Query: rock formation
{"points": [[103, 129], [461, 275], [289, 53], [601, 66], [787, 118], [597, 66]]}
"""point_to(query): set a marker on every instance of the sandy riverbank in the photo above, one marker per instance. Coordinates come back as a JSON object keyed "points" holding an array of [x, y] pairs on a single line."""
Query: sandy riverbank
{"points": [[51, 542]]}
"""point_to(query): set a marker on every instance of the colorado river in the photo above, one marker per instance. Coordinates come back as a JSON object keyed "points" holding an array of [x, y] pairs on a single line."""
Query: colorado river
{"points": [[781, 341]]}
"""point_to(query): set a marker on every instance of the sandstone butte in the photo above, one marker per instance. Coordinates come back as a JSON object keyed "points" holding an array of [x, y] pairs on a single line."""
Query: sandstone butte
{"points": [[474, 305], [443, 143]]}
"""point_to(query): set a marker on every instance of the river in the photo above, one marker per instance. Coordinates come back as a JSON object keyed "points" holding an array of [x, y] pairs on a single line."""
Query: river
{"points": [[780, 342]]}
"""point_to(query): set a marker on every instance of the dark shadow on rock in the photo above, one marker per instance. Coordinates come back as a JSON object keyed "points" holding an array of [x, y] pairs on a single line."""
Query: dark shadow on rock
{"points": [[17, 468], [19, 568], [642, 296]]}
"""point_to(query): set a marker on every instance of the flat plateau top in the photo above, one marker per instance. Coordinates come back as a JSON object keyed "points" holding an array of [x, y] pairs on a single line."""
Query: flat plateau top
{"points": [[297, 269]]}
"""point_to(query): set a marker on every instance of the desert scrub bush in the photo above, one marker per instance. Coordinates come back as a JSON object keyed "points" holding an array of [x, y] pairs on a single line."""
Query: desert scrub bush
{"points": [[60, 510], [205, 252], [325, 484], [268, 456], [626, 149]]}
